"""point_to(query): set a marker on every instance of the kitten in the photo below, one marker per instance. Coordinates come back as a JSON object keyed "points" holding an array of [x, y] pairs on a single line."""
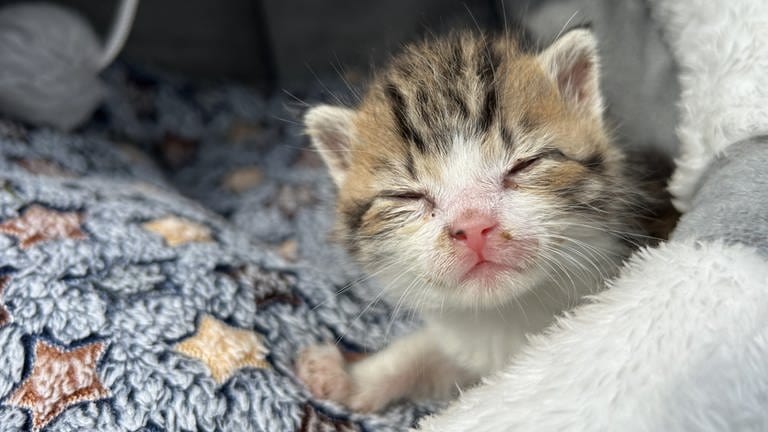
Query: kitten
{"points": [[478, 183]]}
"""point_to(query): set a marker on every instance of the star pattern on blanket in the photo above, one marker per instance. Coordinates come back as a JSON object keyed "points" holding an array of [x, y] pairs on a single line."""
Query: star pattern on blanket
{"points": [[243, 179], [291, 198], [45, 167], [39, 224], [224, 349], [243, 131], [178, 231], [178, 151], [59, 379], [288, 249], [5, 316]]}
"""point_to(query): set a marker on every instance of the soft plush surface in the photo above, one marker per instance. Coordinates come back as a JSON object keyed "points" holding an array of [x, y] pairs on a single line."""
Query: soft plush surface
{"points": [[677, 344], [731, 203], [126, 306], [720, 49], [679, 341]]}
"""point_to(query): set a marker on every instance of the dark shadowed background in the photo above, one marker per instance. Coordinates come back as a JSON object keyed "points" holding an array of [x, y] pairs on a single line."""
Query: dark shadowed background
{"points": [[292, 44], [280, 42]]}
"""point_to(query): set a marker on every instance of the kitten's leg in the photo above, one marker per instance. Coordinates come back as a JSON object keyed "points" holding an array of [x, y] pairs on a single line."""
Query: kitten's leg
{"points": [[413, 366], [322, 369]]}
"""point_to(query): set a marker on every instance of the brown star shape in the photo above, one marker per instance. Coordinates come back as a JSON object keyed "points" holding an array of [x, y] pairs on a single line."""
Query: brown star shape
{"points": [[59, 379], [38, 224], [5, 316], [224, 349], [45, 167], [243, 131], [178, 231], [177, 151]]}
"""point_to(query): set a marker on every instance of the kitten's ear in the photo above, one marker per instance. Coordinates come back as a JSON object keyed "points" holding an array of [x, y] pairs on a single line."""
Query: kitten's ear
{"points": [[332, 132], [573, 63]]}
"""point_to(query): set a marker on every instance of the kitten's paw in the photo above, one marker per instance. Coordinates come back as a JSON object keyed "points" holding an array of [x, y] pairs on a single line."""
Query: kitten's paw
{"points": [[322, 369], [367, 401]]}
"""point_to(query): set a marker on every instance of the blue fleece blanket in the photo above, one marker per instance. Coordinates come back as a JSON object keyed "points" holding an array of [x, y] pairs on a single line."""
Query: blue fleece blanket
{"points": [[160, 268]]}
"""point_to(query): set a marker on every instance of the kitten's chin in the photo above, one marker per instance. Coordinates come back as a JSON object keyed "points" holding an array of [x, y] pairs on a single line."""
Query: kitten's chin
{"points": [[491, 285], [487, 272]]}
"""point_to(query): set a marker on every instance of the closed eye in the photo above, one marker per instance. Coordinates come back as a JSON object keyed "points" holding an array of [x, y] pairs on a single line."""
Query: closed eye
{"points": [[523, 165], [405, 195], [402, 195]]}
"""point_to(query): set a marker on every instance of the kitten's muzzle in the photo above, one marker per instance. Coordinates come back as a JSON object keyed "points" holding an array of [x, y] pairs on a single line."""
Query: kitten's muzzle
{"points": [[472, 230]]}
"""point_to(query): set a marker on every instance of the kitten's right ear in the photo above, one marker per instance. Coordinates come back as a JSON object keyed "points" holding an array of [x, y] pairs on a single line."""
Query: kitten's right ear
{"points": [[332, 132], [573, 64]]}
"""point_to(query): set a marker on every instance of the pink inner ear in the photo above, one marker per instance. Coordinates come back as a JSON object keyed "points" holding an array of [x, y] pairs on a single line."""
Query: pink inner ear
{"points": [[573, 82], [335, 144]]}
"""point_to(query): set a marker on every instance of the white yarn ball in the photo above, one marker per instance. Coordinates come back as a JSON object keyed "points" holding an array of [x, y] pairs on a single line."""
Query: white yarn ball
{"points": [[49, 64]]}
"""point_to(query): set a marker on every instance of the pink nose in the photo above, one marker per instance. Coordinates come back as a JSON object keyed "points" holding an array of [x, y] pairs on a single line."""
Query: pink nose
{"points": [[473, 231]]}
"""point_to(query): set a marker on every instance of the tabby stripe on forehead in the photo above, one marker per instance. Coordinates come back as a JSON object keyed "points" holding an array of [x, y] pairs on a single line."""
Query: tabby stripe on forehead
{"points": [[488, 63], [457, 59], [404, 127], [488, 112], [454, 71], [507, 137], [422, 102], [455, 97]]}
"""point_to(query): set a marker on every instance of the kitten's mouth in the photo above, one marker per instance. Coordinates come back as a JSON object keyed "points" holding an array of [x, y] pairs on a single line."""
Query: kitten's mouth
{"points": [[484, 270]]}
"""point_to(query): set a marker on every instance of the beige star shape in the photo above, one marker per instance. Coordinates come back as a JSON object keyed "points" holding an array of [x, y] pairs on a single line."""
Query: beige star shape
{"points": [[38, 224], [242, 131], [224, 349], [178, 231], [5, 316], [242, 179], [59, 379]]}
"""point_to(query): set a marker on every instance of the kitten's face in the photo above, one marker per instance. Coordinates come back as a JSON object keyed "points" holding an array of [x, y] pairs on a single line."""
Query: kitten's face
{"points": [[472, 172]]}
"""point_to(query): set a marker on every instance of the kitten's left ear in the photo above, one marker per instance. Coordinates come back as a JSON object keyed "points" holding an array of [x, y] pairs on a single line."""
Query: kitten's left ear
{"points": [[332, 132], [573, 63]]}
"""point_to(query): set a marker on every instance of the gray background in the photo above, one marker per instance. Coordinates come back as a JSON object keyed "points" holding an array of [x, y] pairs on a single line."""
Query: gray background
{"points": [[279, 42], [293, 44]]}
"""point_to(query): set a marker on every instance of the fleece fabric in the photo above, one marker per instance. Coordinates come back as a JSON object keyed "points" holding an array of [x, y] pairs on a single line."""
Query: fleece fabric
{"points": [[126, 305]]}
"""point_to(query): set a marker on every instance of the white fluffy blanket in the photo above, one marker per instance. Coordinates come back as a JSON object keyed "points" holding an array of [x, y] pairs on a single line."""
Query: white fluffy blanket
{"points": [[679, 342], [721, 47]]}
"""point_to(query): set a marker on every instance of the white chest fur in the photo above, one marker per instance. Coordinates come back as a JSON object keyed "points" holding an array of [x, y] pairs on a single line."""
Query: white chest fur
{"points": [[483, 341]]}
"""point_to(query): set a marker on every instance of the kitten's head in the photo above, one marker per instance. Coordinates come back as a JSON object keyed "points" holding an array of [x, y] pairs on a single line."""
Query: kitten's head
{"points": [[472, 171]]}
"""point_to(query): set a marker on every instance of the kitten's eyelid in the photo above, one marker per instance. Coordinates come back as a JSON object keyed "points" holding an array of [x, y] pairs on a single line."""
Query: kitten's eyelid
{"points": [[553, 153], [408, 196], [522, 165], [547, 152], [402, 194], [525, 163]]}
